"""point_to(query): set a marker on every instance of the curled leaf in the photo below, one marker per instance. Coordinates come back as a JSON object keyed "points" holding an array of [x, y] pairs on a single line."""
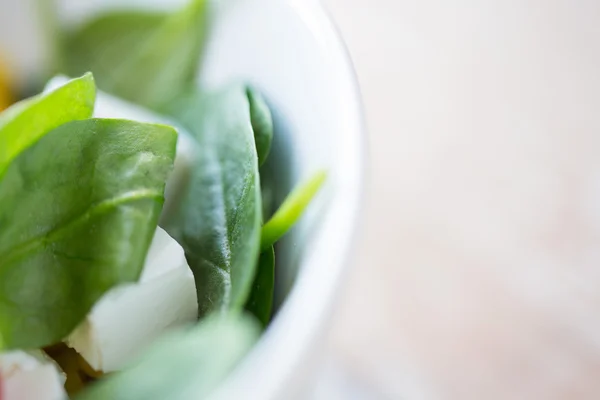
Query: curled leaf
{"points": [[260, 302], [262, 124]]}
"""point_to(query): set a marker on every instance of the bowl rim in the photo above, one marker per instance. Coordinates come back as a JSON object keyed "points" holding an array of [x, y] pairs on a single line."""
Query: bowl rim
{"points": [[298, 324]]}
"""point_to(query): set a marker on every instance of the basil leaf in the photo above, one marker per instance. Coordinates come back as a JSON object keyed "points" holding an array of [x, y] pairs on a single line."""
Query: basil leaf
{"points": [[290, 211], [77, 214], [218, 222], [184, 365], [26, 122], [260, 302], [262, 123], [146, 58]]}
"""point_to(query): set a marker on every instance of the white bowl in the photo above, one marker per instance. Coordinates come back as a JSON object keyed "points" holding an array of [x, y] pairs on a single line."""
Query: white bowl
{"points": [[291, 52]]}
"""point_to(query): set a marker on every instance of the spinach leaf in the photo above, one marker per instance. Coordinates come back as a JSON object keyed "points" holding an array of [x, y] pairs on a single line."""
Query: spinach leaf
{"points": [[107, 40], [218, 223], [268, 193], [77, 214], [262, 123], [260, 302], [184, 365], [290, 211], [146, 58], [26, 122]]}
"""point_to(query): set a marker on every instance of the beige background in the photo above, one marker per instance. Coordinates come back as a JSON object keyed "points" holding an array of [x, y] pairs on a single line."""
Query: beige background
{"points": [[477, 270]]}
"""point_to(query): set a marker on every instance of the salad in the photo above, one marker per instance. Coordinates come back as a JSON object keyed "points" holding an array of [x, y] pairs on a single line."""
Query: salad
{"points": [[137, 229]]}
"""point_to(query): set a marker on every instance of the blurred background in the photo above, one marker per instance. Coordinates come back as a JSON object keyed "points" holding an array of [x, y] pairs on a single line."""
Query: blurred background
{"points": [[477, 267]]}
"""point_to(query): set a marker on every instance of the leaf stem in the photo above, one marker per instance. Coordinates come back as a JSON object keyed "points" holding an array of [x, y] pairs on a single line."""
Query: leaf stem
{"points": [[291, 210]]}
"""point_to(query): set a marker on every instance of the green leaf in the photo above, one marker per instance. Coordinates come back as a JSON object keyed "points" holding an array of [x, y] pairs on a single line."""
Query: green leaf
{"points": [[26, 122], [260, 302], [268, 193], [147, 58], [262, 123], [105, 42], [77, 214], [218, 222], [291, 210], [188, 364]]}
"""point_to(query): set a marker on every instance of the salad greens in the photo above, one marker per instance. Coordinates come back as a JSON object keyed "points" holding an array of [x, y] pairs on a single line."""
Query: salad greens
{"points": [[260, 302], [188, 364], [262, 123], [78, 210], [219, 221], [26, 122], [291, 210], [145, 57], [80, 200]]}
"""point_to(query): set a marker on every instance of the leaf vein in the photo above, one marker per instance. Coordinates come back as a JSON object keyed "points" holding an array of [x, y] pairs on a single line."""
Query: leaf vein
{"points": [[35, 243]]}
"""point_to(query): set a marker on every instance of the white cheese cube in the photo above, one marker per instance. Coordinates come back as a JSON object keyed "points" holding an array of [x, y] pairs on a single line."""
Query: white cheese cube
{"points": [[31, 376], [130, 317]]}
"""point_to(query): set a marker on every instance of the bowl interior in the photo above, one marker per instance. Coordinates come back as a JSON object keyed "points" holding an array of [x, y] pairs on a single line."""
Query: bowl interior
{"points": [[292, 54]]}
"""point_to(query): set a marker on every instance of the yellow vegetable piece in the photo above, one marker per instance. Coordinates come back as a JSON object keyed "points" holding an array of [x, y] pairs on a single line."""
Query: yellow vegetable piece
{"points": [[6, 98], [67, 359], [87, 369]]}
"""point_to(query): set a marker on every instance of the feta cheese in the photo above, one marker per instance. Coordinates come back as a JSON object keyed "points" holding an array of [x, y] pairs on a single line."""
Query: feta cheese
{"points": [[130, 317], [31, 376]]}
